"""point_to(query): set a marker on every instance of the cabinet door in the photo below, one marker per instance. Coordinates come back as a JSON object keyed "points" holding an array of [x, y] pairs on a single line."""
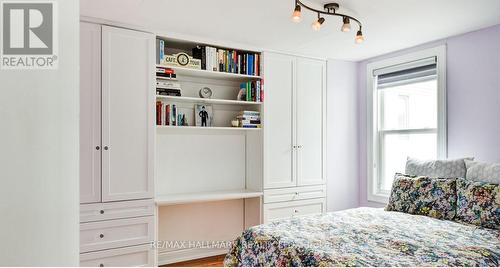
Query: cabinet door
{"points": [[279, 154], [310, 103], [90, 113], [127, 114]]}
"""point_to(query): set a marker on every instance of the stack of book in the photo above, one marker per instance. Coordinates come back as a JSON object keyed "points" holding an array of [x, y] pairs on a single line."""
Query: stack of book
{"points": [[229, 61], [169, 115], [166, 72], [249, 119], [166, 82], [252, 91]]}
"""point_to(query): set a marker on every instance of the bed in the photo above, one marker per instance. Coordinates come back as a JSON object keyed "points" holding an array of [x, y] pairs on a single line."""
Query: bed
{"points": [[365, 237]]}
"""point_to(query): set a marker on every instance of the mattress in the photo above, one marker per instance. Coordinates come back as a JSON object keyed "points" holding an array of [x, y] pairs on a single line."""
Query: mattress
{"points": [[365, 237]]}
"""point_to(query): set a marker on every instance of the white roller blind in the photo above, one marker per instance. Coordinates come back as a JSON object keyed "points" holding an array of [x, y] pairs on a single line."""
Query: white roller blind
{"points": [[410, 72]]}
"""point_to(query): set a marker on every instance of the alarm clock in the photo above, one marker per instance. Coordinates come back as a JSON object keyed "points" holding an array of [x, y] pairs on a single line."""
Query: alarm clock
{"points": [[183, 59], [205, 93]]}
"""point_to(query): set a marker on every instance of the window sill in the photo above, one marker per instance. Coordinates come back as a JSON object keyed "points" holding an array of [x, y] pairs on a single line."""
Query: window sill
{"points": [[378, 198]]}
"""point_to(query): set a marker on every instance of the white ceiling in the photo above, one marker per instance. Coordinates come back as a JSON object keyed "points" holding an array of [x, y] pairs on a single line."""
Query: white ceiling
{"points": [[388, 25]]}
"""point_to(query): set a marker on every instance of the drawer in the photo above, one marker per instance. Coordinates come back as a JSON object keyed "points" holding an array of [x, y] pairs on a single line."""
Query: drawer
{"points": [[281, 210], [116, 233], [116, 210], [129, 256], [294, 193]]}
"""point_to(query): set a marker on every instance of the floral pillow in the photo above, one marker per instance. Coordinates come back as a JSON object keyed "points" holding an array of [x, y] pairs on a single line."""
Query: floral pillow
{"points": [[478, 203], [434, 197]]}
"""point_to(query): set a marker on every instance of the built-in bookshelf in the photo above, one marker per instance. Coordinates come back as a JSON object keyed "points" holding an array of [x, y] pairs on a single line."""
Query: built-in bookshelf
{"points": [[212, 101], [195, 128], [189, 72], [214, 170]]}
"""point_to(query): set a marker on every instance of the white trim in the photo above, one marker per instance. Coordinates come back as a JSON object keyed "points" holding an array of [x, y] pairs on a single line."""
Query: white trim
{"points": [[192, 38], [440, 53]]}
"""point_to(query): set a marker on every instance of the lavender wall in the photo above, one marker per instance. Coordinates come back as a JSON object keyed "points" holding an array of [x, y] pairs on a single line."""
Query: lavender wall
{"points": [[473, 88]]}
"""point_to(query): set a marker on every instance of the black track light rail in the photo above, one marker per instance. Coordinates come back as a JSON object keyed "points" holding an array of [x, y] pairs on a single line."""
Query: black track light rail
{"points": [[334, 13]]}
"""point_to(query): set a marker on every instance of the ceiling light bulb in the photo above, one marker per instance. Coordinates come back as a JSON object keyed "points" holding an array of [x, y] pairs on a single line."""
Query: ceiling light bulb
{"points": [[346, 26], [359, 37], [296, 16], [317, 24]]}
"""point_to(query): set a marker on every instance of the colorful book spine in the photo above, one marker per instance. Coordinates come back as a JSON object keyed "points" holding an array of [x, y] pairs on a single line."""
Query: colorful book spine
{"points": [[174, 115], [257, 91], [261, 90], [158, 113], [167, 115], [162, 50]]}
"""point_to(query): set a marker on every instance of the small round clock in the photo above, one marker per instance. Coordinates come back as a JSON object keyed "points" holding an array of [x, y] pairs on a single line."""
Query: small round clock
{"points": [[183, 59], [205, 93]]}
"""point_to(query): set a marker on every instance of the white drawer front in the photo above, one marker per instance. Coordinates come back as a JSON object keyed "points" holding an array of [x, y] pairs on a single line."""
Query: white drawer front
{"points": [[116, 210], [130, 256], [294, 193], [276, 211], [115, 233]]}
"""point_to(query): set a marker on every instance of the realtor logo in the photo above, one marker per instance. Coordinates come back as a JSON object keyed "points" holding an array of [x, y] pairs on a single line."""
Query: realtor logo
{"points": [[29, 35]]}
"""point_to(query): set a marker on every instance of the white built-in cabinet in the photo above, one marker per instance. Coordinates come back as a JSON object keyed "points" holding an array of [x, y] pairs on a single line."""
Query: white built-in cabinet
{"points": [[90, 113], [127, 119], [116, 121], [294, 136], [116, 146]]}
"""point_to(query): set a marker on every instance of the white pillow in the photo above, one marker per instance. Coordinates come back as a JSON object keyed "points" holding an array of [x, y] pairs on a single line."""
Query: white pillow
{"points": [[481, 171], [450, 168]]}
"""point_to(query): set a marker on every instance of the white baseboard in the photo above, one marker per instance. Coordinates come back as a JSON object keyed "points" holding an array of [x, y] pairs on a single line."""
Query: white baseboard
{"points": [[168, 257]]}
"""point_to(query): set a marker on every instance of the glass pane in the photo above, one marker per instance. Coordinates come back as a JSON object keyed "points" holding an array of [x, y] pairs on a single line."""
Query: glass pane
{"points": [[408, 106], [397, 147]]}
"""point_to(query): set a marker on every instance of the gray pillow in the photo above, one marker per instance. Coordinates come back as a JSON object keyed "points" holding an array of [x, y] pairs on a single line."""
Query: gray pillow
{"points": [[451, 168], [485, 172]]}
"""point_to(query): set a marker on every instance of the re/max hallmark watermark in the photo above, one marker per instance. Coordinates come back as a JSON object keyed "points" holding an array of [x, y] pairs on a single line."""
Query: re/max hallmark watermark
{"points": [[191, 244], [29, 38]]}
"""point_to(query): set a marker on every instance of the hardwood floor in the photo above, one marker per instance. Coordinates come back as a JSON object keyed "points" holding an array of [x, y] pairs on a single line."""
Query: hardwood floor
{"points": [[215, 261]]}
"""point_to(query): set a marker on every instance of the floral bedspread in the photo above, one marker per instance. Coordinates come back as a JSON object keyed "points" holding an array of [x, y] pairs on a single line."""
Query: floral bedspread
{"points": [[365, 237]]}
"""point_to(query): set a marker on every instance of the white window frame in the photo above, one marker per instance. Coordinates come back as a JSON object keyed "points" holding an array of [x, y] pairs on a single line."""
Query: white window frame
{"points": [[373, 160]]}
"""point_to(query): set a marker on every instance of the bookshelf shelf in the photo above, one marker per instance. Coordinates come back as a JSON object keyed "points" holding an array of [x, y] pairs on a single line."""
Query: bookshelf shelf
{"points": [[206, 128], [213, 101], [182, 71], [176, 199]]}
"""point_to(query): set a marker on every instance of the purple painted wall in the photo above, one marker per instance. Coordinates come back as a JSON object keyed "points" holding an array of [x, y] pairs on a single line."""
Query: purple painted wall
{"points": [[473, 88], [342, 128]]}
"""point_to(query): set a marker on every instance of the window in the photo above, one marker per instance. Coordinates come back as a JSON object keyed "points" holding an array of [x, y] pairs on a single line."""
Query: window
{"points": [[406, 115]]}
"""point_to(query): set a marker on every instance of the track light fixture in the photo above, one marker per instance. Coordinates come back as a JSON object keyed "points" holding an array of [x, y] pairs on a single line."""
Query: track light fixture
{"points": [[296, 16], [329, 9], [317, 24], [346, 26], [359, 37]]}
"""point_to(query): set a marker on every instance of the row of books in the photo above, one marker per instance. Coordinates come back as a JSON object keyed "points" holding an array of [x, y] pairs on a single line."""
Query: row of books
{"points": [[252, 91], [230, 61], [249, 119], [169, 115]]}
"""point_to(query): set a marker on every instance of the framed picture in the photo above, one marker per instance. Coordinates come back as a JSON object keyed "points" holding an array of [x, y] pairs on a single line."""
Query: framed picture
{"points": [[204, 115]]}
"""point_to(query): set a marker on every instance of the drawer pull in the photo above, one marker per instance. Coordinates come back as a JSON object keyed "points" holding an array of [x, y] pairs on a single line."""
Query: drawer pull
{"points": [[101, 265], [296, 193], [295, 211], [102, 211], [101, 236]]}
